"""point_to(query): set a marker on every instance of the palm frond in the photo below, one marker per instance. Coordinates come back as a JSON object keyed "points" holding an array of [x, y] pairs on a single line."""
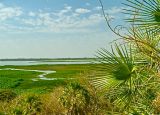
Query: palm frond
{"points": [[117, 75], [146, 13], [115, 66], [146, 42]]}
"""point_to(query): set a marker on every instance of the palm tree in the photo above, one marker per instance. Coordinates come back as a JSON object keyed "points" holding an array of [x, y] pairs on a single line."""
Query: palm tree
{"points": [[128, 75], [117, 74]]}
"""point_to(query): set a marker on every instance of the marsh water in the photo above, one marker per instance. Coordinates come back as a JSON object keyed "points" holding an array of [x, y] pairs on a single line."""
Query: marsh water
{"points": [[41, 76], [43, 73], [2, 63]]}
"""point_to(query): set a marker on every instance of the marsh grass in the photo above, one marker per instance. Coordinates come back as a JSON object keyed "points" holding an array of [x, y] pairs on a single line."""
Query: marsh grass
{"points": [[21, 81]]}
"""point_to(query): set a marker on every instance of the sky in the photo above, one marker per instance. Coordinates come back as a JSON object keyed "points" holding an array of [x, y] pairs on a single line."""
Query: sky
{"points": [[55, 28]]}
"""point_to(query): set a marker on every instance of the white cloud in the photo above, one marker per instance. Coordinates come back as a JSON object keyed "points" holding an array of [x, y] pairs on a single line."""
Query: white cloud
{"points": [[114, 10], [6, 13], [68, 8], [82, 10], [63, 11], [9, 12], [64, 20], [98, 8], [31, 14], [48, 22], [31, 22]]}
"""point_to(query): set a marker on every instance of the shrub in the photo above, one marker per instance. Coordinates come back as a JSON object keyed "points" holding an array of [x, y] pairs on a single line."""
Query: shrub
{"points": [[128, 74], [7, 95], [29, 104], [1, 113], [156, 104], [75, 99], [51, 103]]}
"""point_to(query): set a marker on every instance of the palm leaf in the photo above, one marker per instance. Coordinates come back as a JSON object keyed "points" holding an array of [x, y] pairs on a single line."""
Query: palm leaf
{"points": [[116, 75], [146, 43], [115, 67], [146, 13]]}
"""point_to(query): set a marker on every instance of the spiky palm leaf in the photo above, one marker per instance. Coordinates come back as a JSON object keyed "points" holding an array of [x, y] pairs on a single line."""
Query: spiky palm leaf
{"points": [[146, 13], [116, 65], [116, 73], [123, 79]]}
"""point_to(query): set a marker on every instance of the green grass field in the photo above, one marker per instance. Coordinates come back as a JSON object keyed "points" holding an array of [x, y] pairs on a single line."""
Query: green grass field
{"points": [[21, 81]]}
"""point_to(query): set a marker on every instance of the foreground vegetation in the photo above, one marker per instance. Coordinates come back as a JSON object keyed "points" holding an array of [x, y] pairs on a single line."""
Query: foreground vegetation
{"points": [[19, 95]]}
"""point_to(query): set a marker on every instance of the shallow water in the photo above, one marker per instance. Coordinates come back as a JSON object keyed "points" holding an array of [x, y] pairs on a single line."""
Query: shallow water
{"points": [[3, 63], [41, 76]]}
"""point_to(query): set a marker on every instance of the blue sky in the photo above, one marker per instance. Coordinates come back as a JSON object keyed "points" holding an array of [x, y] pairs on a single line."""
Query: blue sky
{"points": [[55, 28]]}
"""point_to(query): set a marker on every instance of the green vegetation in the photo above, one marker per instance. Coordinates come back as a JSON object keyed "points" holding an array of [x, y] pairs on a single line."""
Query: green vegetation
{"points": [[21, 81], [130, 85], [7, 95], [75, 98], [27, 105]]}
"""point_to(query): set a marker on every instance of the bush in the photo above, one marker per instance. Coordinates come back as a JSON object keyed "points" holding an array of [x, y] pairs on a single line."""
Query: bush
{"points": [[1, 113], [75, 98], [7, 95], [156, 104], [29, 104], [51, 103]]}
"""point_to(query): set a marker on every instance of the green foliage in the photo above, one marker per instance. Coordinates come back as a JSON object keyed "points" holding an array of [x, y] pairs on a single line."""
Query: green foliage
{"points": [[117, 66], [1, 113], [27, 105], [75, 98], [156, 104], [118, 75], [7, 95], [21, 81], [51, 103], [14, 79], [129, 75], [145, 13], [146, 44]]}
